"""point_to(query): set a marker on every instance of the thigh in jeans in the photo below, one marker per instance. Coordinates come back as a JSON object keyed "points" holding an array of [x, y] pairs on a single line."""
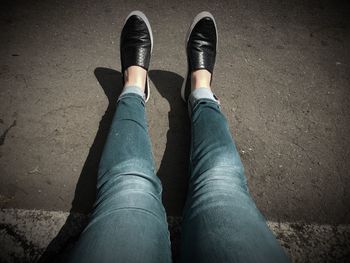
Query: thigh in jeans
{"points": [[221, 222], [128, 223]]}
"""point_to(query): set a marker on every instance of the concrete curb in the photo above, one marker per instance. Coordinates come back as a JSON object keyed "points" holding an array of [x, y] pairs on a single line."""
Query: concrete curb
{"points": [[27, 235]]}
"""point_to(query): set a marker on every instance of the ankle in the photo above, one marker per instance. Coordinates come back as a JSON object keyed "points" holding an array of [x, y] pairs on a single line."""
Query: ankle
{"points": [[135, 76], [200, 79]]}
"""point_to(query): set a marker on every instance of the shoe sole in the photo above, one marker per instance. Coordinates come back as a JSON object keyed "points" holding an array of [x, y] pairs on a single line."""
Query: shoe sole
{"points": [[145, 19], [198, 17]]}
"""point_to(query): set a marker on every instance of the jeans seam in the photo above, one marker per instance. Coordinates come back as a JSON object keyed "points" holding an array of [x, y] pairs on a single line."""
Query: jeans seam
{"points": [[131, 95]]}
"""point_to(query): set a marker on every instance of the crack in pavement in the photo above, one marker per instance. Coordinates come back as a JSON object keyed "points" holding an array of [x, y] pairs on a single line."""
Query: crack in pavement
{"points": [[3, 135]]}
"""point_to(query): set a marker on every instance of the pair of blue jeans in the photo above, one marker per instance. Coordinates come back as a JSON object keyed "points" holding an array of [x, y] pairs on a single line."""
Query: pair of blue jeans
{"points": [[220, 221]]}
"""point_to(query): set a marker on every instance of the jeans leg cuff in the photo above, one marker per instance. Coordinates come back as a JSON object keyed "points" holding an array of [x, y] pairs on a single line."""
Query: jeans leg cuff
{"points": [[132, 89]]}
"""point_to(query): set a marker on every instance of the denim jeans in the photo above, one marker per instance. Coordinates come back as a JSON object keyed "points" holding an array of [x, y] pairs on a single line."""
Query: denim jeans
{"points": [[220, 222]]}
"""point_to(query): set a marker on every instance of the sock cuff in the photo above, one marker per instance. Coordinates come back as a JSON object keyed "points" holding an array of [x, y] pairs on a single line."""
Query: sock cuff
{"points": [[201, 93]]}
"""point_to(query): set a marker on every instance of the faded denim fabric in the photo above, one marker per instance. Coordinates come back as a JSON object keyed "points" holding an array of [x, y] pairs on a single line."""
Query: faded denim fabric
{"points": [[221, 222], [128, 223]]}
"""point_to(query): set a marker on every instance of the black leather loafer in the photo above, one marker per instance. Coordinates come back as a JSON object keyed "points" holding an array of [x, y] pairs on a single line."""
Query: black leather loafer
{"points": [[201, 45], [136, 44]]}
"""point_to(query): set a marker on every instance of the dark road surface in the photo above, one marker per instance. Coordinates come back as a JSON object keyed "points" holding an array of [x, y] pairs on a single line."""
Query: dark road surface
{"points": [[282, 75]]}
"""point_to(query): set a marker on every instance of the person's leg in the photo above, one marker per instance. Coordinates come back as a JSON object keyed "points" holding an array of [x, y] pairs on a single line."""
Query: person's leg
{"points": [[128, 223], [221, 222]]}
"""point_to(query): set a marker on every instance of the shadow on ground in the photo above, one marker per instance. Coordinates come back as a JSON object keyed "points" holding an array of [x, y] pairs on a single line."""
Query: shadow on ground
{"points": [[173, 168], [172, 171], [85, 191]]}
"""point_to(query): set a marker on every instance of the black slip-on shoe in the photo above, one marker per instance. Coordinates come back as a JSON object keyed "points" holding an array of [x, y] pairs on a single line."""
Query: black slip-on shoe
{"points": [[136, 44], [201, 46]]}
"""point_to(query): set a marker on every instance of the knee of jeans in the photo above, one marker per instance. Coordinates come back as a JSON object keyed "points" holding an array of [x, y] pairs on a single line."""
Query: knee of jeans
{"points": [[216, 158], [131, 165], [217, 187], [133, 173], [220, 180], [129, 191]]}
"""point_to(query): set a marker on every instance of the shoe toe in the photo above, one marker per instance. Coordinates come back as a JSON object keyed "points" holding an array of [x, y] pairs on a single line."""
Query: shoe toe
{"points": [[135, 43], [201, 46]]}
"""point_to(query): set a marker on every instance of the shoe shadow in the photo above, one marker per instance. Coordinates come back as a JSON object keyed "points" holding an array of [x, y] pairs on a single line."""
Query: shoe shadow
{"points": [[173, 170], [85, 191]]}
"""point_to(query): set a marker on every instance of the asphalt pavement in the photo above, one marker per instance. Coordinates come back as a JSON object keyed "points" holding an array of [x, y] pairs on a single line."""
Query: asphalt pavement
{"points": [[282, 75]]}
